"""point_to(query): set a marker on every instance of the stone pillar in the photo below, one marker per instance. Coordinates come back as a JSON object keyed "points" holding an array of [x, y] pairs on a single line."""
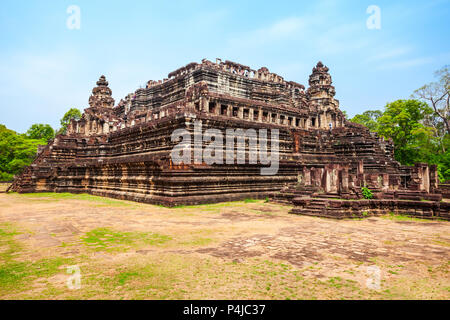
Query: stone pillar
{"points": [[360, 174], [426, 179], [323, 121], [330, 179], [217, 108], [94, 127], [251, 114], [385, 187], [307, 176], [204, 104], [313, 176], [344, 180], [327, 181], [434, 179]]}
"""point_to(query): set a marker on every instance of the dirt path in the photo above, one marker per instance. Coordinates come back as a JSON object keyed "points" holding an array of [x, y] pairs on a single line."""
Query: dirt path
{"points": [[279, 255]]}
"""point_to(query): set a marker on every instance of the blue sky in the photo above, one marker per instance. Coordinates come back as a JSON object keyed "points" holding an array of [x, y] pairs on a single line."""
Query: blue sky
{"points": [[46, 68]]}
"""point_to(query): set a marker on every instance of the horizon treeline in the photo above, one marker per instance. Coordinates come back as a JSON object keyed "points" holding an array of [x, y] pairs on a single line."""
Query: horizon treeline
{"points": [[17, 150]]}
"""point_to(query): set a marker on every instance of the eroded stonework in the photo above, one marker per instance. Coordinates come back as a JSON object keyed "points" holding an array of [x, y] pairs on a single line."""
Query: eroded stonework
{"points": [[124, 151]]}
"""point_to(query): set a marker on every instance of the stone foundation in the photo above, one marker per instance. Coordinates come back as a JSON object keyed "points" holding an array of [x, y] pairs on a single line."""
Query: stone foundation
{"points": [[340, 209]]}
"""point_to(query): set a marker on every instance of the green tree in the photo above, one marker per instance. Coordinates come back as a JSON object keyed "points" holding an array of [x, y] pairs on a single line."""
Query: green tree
{"points": [[73, 113], [437, 95], [16, 151], [41, 131], [402, 121], [368, 118]]}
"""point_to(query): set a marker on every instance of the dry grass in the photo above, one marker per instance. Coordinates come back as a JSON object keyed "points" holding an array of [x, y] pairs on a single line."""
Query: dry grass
{"points": [[236, 250]]}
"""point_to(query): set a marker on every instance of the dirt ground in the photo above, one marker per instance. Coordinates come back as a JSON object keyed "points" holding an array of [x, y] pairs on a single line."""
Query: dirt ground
{"points": [[238, 250]]}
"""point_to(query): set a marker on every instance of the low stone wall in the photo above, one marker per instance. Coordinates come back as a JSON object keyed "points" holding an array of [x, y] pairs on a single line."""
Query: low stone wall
{"points": [[340, 209], [445, 190], [4, 185]]}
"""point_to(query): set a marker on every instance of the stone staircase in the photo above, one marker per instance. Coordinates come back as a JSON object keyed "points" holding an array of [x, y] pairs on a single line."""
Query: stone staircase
{"points": [[287, 194], [329, 207], [22, 182], [324, 206]]}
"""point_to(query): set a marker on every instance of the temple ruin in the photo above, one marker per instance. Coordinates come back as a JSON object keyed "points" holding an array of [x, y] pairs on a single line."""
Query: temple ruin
{"points": [[124, 151]]}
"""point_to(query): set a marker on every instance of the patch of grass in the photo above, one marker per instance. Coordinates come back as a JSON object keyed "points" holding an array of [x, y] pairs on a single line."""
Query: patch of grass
{"points": [[442, 243], [443, 268], [198, 237], [101, 239], [402, 217], [102, 201], [8, 246], [159, 279], [123, 277], [336, 282], [15, 276], [215, 206], [392, 272]]}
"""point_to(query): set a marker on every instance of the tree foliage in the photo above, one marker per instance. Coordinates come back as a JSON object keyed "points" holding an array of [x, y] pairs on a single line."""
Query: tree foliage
{"points": [[419, 127], [19, 150], [16, 151], [41, 131], [73, 113], [368, 118], [415, 140], [402, 121]]}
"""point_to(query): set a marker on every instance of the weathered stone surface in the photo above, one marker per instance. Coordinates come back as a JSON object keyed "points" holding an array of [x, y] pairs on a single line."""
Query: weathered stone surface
{"points": [[124, 151]]}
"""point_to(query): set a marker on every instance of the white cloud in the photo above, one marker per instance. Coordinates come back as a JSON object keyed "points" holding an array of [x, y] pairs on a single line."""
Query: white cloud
{"points": [[405, 64], [386, 54], [317, 31], [342, 38], [285, 29]]}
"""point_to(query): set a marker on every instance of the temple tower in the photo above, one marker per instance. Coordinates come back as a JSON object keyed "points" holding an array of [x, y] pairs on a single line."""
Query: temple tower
{"points": [[101, 95], [99, 118], [321, 94]]}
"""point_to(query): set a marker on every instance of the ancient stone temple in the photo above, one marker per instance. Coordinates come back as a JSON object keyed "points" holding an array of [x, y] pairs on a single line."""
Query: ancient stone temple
{"points": [[322, 160]]}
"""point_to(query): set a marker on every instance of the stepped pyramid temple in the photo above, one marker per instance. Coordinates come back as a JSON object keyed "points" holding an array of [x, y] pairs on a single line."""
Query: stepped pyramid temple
{"points": [[323, 161]]}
